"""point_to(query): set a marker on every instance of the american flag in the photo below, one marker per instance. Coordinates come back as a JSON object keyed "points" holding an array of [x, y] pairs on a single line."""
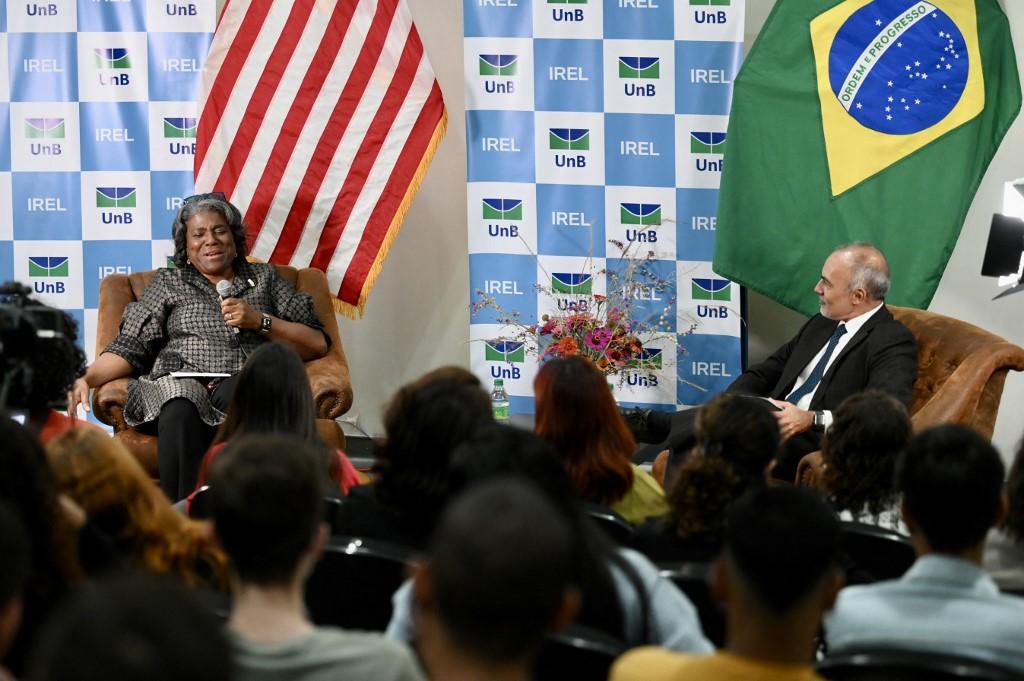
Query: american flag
{"points": [[318, 119]]}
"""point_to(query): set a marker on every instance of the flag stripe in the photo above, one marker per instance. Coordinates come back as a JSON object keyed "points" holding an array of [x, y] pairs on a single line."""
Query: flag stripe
{"points": [[223, 67], [382, 221], [340, 129], [372, 145]]}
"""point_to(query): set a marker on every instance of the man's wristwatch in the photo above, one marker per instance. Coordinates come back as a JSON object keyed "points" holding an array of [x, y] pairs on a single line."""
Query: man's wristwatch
{"points": [[819, 420], [265, 322]]}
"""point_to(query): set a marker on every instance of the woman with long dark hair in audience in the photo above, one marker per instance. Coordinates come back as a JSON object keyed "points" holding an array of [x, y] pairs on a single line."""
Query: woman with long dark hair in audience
{"points": [[737, 440], [577, 414], [623, 593], [121, 501], [27, 485], [272, 395], [1004, 547], [859, 452], [423, 424]]}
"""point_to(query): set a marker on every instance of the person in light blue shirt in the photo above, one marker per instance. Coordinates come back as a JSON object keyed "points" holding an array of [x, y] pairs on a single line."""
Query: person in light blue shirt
{"points": [[951, 481]]}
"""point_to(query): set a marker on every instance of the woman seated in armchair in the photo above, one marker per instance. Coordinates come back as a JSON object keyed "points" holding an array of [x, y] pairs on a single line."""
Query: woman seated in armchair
{"points": [[185, 323]]}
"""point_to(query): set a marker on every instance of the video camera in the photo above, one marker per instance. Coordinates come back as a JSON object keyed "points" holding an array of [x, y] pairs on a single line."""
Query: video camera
{"points": [[23, 324]]}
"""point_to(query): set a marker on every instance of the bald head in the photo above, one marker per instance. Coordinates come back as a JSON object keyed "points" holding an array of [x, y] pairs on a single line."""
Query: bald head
{"points": [[854, 279]]}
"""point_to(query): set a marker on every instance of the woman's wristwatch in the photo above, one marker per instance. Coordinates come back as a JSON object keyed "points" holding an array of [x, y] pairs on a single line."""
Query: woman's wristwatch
{"points": [[266, 321]]}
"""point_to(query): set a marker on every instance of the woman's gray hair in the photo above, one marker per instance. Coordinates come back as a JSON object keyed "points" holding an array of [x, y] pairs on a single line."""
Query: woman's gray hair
{"points": [[869, 269], [208, 203]]}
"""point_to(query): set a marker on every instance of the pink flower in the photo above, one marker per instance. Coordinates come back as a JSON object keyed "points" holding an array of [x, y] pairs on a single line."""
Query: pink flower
{"points": [[597, 339]]}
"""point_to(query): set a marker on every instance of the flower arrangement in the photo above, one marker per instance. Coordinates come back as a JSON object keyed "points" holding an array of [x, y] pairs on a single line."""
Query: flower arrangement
{"points": [[611, 330]]}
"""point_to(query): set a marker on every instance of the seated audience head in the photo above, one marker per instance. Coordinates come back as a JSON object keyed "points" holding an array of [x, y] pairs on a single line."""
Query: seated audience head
{"points": [[860, 448], [201, 203], [423, 424], [499, 578], [501, 452], [41, 368], [951, 479], [854, 279], [100, 475], [135, 629], [737, 439], [14, 572], [780, 557], [267, 505], [577, 414], [1015, 494]]}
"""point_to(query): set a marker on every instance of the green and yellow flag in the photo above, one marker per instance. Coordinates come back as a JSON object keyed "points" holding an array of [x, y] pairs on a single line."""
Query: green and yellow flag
{"points": [[867, 120]]}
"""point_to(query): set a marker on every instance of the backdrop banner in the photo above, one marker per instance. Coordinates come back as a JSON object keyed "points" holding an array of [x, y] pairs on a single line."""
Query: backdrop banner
{"points": [[97, 110], [591, 124]]}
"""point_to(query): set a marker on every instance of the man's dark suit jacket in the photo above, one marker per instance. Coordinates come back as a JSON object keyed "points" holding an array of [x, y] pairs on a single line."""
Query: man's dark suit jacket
{"points": [[882, 355]]}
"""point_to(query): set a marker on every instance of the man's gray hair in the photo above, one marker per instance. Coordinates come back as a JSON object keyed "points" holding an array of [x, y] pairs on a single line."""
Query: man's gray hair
{"points": [[869, 269]]}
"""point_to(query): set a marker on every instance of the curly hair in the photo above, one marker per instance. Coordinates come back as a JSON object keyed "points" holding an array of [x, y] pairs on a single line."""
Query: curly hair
{"points": [[102, 477], [577, 414], [859, 450], [1015, 491], [208, 203], [737, 438]]}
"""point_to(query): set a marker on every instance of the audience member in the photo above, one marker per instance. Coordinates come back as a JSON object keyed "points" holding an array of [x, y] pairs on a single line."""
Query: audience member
{"points": [[623, 593], [778, 573], [14, 573], [424, 422], [43, 368], [951, 480], [499, 578], [1004, 548], [121, 501], [737, 440], [27, 485], [859, 451], [577, 414], [267, 503], [133, 629], [272, 395]]}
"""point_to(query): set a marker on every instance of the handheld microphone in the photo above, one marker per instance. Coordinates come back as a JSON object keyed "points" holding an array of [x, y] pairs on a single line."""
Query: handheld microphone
{"points": [[223, 290]]}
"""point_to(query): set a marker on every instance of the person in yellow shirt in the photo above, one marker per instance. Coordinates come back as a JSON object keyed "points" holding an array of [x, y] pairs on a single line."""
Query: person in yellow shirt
{"points": [[778, 573]]}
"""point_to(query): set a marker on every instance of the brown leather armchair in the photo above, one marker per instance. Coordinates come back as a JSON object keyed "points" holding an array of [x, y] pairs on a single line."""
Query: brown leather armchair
{"points": [[961, 369], [328, 376]]}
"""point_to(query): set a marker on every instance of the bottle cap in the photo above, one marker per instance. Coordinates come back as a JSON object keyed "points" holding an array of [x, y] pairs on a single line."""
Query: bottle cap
{"points": [[498, 382]]}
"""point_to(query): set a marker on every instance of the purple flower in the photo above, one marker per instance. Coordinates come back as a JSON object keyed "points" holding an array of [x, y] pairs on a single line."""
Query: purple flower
{"points": [[598, 339]]}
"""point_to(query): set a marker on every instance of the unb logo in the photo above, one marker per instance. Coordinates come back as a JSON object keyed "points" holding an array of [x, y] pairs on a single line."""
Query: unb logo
{"points": [[640, 213], [503, 209], [711, 289], [639, 67], [649, 358], [44, 128], [707, 142], [713, 3], [504, 351], [572, 282], [499, 64], [112, 58], [115, 197], [569, 139], [179, 128], [48, 266]]}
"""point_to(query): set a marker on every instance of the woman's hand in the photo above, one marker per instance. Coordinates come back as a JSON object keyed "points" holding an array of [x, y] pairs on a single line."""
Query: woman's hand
{"points": [[78, 395], [240, 314]]}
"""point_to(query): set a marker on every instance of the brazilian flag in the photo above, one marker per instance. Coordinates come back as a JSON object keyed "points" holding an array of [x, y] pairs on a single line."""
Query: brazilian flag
{"points": [[861, 120]]}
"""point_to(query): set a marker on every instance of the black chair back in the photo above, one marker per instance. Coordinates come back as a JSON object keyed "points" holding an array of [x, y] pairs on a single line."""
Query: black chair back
{"points": [[352, 583], [611, 523], [874, 553], [577, 652], [692, 579], [899, 665]]}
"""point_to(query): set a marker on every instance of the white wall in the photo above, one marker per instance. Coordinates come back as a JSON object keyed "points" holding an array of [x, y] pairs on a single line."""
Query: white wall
{"points": [[417, 316]]}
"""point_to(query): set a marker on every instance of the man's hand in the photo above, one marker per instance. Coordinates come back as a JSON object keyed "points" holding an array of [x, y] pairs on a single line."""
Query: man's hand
{"points": [[792, 421]]}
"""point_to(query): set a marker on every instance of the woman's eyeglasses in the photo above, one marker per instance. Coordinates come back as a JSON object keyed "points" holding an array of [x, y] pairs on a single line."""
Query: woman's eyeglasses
{"points": [[208, 195]]}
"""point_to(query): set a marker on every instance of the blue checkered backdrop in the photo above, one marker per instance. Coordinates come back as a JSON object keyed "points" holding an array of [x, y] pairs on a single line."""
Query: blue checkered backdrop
{"points": [[97, 137], [591, 121]]}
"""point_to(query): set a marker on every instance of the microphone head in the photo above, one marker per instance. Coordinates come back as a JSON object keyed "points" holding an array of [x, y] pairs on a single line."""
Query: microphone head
{"points": [[223, 287]]}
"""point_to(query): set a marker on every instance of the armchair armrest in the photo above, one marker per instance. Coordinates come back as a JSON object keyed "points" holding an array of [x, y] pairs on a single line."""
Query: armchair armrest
{"points": [[108, 402]]}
